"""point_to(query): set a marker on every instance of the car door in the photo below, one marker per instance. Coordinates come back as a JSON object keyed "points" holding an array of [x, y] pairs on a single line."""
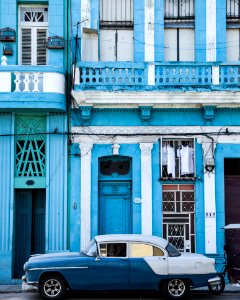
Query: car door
{"points": [[147, 264], [110, 269]]}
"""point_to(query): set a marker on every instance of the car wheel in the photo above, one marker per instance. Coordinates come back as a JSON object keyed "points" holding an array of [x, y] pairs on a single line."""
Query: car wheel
{"points": [[176, 289], [217, 289], [52, 287]]}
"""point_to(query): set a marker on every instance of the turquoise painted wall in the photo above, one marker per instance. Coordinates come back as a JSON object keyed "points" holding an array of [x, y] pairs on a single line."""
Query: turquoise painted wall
{"points": [[139, 18], [56, 184], [6, 197]]}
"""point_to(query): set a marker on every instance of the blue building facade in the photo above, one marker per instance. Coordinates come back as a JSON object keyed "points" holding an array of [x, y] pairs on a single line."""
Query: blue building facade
{"points": [[33, 127], [155, 121]]}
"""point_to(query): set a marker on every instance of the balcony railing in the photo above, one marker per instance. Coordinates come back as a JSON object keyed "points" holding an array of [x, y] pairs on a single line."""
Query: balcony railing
{"points": [[32, 79], [32, 87], [150, 76]]}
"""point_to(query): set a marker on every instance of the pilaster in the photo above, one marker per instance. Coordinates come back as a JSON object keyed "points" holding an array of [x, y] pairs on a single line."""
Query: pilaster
{"points": [[146, 187], [85, 221], [208, 147]]}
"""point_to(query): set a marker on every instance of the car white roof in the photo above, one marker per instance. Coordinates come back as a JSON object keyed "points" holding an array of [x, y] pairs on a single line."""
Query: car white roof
{"points": [[132, 238]]}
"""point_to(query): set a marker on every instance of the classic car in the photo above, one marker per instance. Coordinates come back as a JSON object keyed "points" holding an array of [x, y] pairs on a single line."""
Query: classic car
{"points": [[121, 262]]}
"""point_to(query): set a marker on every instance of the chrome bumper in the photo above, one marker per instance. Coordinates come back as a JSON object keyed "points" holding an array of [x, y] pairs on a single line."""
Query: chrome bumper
{"points": [[33, 283], [214, 281]]}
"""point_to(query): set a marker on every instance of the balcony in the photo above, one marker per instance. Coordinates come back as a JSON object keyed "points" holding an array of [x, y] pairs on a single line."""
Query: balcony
{"points": [[32, 88], [119, 76]]}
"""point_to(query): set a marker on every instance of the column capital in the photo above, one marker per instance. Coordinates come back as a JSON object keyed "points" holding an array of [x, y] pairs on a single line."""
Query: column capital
{"points": [[86, 149], [146, 148]]}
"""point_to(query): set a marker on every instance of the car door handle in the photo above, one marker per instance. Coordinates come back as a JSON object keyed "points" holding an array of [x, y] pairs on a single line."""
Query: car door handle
{"points": [[162, 258]]}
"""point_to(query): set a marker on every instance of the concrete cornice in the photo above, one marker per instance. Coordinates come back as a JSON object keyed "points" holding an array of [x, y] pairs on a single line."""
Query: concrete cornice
{"points": [[157, 99]]}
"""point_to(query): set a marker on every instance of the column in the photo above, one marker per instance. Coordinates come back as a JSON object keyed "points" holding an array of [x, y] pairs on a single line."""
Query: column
{"points": [[85, 221], [211, 38], [209, 198], [146, 187], [149, 30]]}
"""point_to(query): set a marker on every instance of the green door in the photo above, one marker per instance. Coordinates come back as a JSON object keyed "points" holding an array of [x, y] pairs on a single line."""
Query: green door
{"points": [[29, 227]]}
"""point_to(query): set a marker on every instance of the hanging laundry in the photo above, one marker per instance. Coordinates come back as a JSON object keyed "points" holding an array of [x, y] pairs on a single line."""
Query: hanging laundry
{"points": [[164, 155], [186, 155], [170, 161]]}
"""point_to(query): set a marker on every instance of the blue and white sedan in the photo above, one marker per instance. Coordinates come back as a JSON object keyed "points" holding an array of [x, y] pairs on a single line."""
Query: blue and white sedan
{"points": [[121, 262]]}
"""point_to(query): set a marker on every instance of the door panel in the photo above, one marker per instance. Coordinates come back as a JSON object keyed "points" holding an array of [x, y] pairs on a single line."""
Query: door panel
{"points": [[23, 225], [29, 227], [115, 207], [109, 273], [170, 44], [233, 44], [124, 45], [38, 223], [186, 44], [107, 45], [232, 216]]}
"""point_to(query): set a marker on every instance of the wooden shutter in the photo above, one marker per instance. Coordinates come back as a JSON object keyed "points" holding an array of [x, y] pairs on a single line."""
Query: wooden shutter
{"points": [[41, 49], [170, 44], [26, 46]]}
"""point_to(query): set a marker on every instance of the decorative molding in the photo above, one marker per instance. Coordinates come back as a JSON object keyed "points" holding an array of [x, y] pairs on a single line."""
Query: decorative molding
{"points": [[145, 114], [208, 113], [115, 149], [86, 114], [146, 148], [86, 149]]}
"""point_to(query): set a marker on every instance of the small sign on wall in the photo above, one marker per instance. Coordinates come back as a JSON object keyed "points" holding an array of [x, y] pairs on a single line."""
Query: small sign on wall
{"points": [[7, 35], [210, 215], [55, 42]]}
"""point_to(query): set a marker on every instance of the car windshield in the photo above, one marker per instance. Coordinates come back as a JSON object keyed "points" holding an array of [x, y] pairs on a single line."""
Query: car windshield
{"points": [[172, 251], [91, 249]]}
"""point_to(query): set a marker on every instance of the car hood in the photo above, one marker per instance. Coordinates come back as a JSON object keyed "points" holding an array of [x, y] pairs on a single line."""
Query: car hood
{"points": [[54, 256]]}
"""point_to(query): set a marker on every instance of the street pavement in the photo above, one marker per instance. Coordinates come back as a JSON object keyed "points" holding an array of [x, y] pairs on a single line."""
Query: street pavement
{"points": [[18, 292], [193, 296]]}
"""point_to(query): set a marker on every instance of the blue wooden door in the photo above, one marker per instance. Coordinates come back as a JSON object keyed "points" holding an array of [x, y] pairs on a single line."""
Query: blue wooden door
{"points": [[29, 227], [115, 207]]}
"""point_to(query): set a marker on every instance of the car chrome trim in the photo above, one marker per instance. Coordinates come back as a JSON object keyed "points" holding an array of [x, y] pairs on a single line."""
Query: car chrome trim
{"points": [[57, 268], [214, 281]]}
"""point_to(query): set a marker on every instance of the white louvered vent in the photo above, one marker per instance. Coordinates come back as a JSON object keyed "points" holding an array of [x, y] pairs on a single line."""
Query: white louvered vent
{"points": [[26, 46], [41, 49]]}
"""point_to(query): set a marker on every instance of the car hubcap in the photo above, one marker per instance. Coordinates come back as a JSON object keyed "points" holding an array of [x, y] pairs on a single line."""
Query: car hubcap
{"points": [[176, 287], [52, 287]]}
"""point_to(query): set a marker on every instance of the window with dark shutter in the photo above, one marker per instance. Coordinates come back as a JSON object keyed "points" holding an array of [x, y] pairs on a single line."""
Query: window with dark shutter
{"points": [[33, 25], [26, 46], [41, 49]]}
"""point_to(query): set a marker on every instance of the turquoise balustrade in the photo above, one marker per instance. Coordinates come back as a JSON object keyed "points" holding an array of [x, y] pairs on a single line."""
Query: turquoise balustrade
{"points": [[135, 76]]}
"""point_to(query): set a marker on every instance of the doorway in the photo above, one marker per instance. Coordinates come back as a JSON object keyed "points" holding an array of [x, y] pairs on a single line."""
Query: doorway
{"points": [[115, 195], [232, 208], [29, 227]]}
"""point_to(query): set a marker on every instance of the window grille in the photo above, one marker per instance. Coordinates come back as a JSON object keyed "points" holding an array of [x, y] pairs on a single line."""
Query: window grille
{"points": [[178, 159], [116, 13], [30, 147], [179, 9], [29, 14], [178, 206], [233, 9]]}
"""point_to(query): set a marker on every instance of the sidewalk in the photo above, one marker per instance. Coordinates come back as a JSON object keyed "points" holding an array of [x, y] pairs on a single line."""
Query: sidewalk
{"points": [[230, 288]]}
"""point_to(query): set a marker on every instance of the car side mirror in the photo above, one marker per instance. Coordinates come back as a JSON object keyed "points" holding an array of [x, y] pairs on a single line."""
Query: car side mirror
{"points": [[97, 258]]}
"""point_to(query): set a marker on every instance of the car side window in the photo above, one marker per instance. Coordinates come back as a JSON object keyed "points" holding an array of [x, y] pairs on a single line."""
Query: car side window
{"points": [[142, 250], [113, 250]]}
